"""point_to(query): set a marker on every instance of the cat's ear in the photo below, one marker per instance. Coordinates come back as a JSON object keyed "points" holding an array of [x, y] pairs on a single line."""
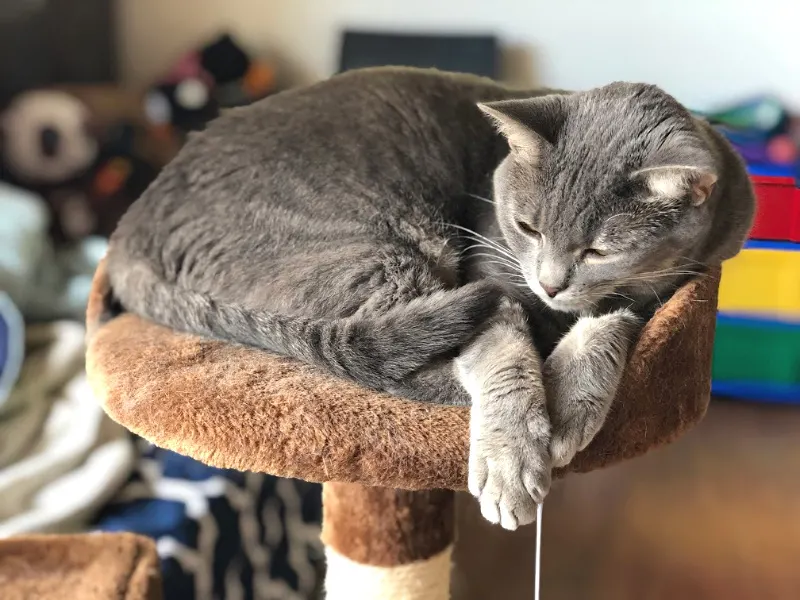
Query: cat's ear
{"points": [[529, 125], [679, 181], [682, 166]]}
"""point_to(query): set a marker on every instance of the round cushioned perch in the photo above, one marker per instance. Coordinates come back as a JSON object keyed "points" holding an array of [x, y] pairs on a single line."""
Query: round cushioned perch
{"points": [[387, 523]]}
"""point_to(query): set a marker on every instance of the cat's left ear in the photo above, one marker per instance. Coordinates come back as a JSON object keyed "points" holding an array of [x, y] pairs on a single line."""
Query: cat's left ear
{"points": [[678, 181], [682, 167], [530, 124]]}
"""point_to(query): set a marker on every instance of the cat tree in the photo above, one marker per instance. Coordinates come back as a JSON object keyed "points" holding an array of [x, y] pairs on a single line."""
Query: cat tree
{"points": [[388, 466]]}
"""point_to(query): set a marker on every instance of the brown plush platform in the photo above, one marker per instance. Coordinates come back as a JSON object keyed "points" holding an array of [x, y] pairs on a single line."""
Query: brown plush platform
{"points": [[244, 409], [97, 566]]}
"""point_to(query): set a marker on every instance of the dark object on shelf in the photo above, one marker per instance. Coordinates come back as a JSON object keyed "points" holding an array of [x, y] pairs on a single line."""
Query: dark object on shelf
{"points": [[219, 75], [225, 60], [55, 42], [476, 54], [187, 105]]}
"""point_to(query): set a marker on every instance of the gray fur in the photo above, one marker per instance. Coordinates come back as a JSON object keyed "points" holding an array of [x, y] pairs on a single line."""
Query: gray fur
{"points": [[582, 375], [380, 224], [509, 470]]}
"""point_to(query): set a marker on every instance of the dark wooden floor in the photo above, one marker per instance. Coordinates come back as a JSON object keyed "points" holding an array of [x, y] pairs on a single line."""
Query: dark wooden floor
{"points": [[715, 516]]}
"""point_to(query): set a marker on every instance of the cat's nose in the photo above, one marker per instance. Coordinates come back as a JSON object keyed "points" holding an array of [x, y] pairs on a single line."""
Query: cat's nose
{"points": [[551, 290]]}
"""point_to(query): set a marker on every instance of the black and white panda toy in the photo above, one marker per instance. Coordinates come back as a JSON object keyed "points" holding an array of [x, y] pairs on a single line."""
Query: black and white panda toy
{"points": [[46, 138], [88, 175]]}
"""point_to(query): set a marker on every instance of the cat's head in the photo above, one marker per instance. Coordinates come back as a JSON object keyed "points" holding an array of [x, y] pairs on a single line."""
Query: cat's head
{"points": [[604, 193]]}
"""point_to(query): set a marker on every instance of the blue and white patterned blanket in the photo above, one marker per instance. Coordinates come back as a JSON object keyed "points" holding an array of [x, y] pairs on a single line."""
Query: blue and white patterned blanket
{"points": [[222, 535]]}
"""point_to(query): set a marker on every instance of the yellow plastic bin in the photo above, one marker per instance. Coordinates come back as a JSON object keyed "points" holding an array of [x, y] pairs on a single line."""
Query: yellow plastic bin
{"points": [[763, 279]]}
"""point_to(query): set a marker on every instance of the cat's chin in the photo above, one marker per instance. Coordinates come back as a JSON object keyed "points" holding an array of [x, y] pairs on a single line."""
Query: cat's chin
{"points": [[560, 303], [565, 305]]}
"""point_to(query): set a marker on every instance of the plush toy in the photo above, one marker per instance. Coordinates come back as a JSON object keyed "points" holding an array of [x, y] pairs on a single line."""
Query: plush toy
{"points": [[219, 75], [43, 282], [87, 172], [47, 138]]}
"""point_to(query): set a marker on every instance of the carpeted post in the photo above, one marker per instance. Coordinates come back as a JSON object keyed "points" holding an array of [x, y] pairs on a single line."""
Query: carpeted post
{"points": [[385, 543]]}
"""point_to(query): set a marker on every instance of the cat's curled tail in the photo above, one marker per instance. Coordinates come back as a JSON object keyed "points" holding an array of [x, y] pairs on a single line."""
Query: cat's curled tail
{"points": [[376, 351]]}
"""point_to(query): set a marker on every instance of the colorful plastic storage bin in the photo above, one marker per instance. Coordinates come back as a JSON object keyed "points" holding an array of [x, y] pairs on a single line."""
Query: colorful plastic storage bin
{"points": [[778, 212], [757, 345], [763, 279], [757, 350]]}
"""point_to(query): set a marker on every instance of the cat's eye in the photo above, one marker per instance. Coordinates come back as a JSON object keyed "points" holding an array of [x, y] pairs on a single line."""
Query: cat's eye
{"points": [[528, 230], [594, 253]]}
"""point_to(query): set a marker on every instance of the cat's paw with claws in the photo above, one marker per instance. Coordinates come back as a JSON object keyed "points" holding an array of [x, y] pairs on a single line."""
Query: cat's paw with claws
{"points": [[582, 376], [509, 466], [509, 462]]}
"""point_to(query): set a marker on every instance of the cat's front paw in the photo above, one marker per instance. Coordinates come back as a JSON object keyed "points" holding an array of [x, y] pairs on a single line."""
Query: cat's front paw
{"points": [[509, 466], [569, 437], [582, 376]]}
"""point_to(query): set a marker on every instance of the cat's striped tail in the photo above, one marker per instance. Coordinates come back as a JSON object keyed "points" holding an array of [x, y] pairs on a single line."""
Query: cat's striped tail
{"points": [[376, 351]]}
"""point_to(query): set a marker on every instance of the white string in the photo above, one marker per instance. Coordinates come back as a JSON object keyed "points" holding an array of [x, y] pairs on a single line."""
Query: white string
{"points": [[538, 572]]}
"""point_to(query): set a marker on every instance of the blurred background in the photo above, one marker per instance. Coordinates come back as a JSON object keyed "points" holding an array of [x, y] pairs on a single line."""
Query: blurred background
{"points": [[96, 96]]}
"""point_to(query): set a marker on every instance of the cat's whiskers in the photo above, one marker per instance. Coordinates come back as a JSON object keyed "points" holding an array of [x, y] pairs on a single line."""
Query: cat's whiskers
{"points": [[672, 272], [507, 256], [494, 252], [660, 302], [477, 237], [619, 295], [652, 278], [682, 269], [692, 261], [492, 202], [492, 248], [485, 240], [498, 261], [673, 269], [494, 245], [592, 303], [512, 270]]}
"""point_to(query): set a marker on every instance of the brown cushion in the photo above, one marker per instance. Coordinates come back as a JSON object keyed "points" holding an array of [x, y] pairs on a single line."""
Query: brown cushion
{"points": [[98, 566], [242, 408]]}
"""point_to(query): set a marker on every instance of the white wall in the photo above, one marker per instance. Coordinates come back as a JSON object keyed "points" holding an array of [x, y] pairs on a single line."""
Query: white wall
{"points": [[703, 51]]}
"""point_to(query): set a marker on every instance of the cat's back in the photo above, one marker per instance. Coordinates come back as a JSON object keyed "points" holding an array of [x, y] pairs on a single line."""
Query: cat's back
{"points": [[360, 129], [352, 114], [332, 152]]}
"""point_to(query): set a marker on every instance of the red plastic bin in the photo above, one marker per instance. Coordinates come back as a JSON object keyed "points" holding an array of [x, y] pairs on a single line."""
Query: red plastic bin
{"points": [[778, 211]]}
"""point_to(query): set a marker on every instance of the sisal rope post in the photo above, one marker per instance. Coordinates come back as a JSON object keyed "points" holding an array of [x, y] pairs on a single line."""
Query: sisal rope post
{"points": [[386, 543]]}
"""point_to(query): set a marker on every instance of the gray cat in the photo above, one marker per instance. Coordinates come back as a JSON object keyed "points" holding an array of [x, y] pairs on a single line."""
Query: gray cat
{"points": [[446, 239]]}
